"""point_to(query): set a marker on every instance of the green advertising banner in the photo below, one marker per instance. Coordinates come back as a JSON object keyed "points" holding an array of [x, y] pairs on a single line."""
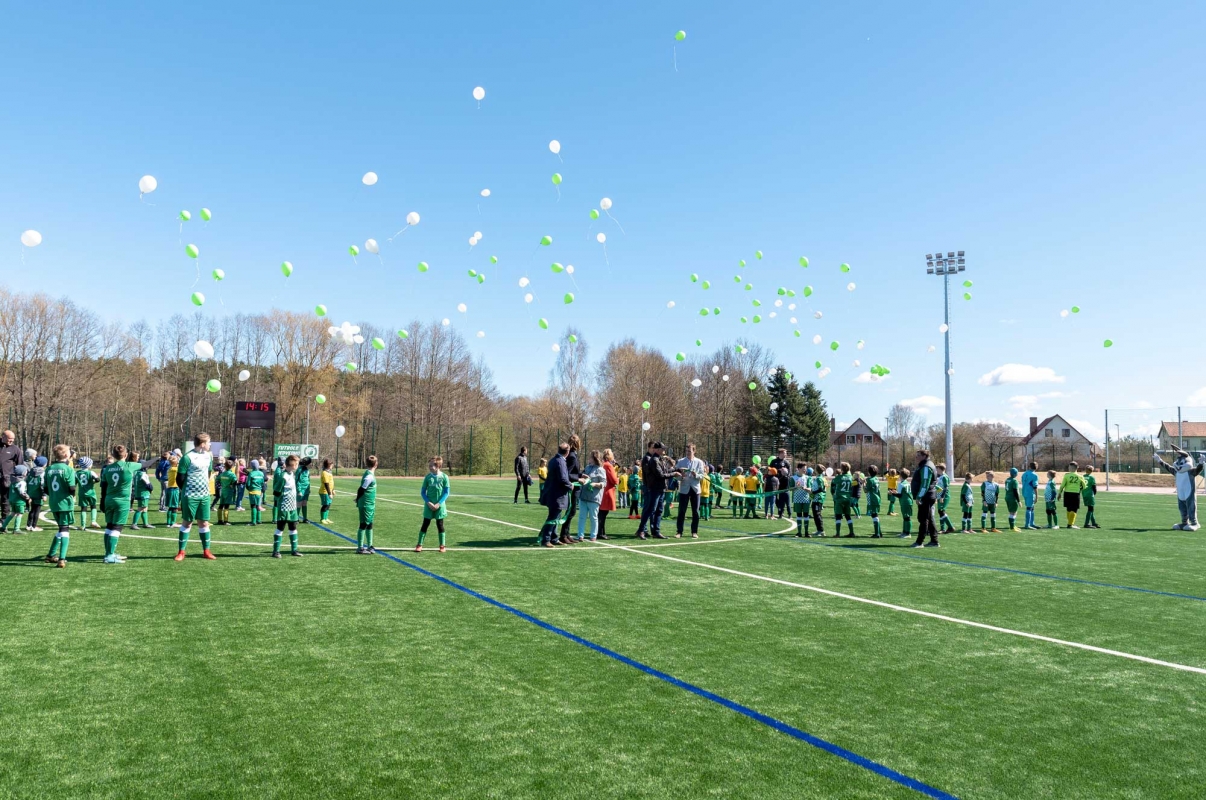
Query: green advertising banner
{"points": [[300, 450]]}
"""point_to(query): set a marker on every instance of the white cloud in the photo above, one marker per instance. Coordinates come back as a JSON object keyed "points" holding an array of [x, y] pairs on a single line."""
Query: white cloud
{"points": [[1198, 398], [924, 404], [1020, 373], [1146, 429], [867, 377], [1028, 403], [1148, 404], [1094, 432]]}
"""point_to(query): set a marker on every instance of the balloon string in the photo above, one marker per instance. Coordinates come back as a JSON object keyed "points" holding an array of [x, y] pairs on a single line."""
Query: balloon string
{"points": [[399, 233], [605, 254], [617, 222], [558, 188], [674, 50]]}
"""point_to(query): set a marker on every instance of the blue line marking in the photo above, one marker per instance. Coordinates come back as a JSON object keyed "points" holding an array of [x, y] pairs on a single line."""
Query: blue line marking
{"points": [[886, 551], [746, 711]]}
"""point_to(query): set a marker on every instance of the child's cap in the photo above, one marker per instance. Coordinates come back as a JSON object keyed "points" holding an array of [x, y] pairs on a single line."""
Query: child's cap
{"points": [[809, 471], [30, 454], [1013, 472], [83, 462], [40, 461], [20, 470], [255, 464]]}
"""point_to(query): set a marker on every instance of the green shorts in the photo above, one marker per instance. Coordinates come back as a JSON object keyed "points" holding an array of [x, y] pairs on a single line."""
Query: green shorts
{"points": [[943, 502], [842, 507], [87, 502], [325, 499], [1051, 506], [173, 499], [1088, 499], [65, 519], [227, 499], [366, 514], [989, 508], [906, 510], [256, 499], [142, 502], [116, 513], [873, 504], [1012, 505], [967, 509], [196, 508], [304, 498], [17, 506], [800, 509], [287, 516]]}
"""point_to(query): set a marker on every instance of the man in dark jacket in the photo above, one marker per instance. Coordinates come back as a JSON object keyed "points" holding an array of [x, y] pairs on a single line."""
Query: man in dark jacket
{"points": [[654, 472], [10, 456], [575, 475], [554, 495], [925, 492], [523, 478], [161, 474]]}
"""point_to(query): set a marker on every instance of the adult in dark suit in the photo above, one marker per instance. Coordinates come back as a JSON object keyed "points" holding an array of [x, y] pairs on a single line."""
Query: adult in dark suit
{"points": [[555, 495], [10, 456], [523, 478], [655, 470]]}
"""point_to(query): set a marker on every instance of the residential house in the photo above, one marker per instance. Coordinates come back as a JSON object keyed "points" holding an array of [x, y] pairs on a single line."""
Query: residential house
{"points": [[1192, 434], [1055, 441]]}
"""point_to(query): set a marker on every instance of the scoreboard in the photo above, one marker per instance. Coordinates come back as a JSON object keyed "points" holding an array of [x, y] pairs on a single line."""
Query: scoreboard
{"points": [[253, 414]]}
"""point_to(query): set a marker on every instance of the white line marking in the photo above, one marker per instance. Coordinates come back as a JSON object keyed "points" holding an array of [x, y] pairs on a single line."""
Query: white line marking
{"points": [[918, 612]]}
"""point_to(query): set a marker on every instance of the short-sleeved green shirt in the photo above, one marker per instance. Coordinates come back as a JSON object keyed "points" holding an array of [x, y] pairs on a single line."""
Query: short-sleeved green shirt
{"points": [[117, 478], [60, 487]]}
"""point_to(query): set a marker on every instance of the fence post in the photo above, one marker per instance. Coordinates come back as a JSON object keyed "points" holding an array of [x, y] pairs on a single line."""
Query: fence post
{"points": [[470, 472], [500, 442], [337, 456], [439, 438]]}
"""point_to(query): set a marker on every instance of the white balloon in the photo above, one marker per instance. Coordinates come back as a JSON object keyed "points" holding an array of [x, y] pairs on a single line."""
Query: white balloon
{"points": [[792, 320], [857, 363], [478, 93], [569, 269], [147, 184], [485, 192], [556, 348], [555, 146], [31, 238], [950, 371], [817, 315], [461, 307], [369, 178], [715, 369], [203, 349], [774, 406], [357, 339], [772, 372], [943, 328], [773, 314], [481, 334], [445, 321], [340, 431], [523, 282], [829, 472], [371, 246], [645, 426], [816, 339], [670, 304], [244, 374], [477, 235], [930, 349], [861, 344], [472, 241], [605, 203], [527, 298], [697, 383], [1063, 313], [850, 287], [412, 218], [724, 378], [601, 238], [791, 306], [778, 304]]}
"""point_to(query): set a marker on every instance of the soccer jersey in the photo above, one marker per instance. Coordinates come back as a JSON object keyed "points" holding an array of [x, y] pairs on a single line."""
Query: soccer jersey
{"points": [[1090, 489], [1050, 492], [750, 484], [60, 485], [1073, 482], [893, 480], [255, 482], [228, 481], [18, 492], [303, 483], [1012, 490], [705, 486], [34, 485], [800, 493], [622, 484], [142, 487], [368, 482], [435, 490], [117, 479], [284, 486], [988, 492], [841, 487], [326, 483], [816, 486], [197, 467], [87, 481], [944, 487], [965, 495]]}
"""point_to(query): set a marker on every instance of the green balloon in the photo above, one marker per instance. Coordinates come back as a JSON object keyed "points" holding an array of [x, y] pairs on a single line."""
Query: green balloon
{"points": [[213, 385], [472, 273], [699, 342], [556, 267], [716, 311], [198, 299], [703, 312], [403, 334], [645, 405], [423, 266], [320, 310], [350, 366], [184, 216], [493, 259], [1075, 309], [967, 295], [706, 284], [756, 459], [378, 343], [808, 291], [797, 333], [694, 278], [286, 268], [834, 345], [320, 398], [818, 365], [749, 287], [844, 267], [741, 263], [804, 261], [191, 251], [758, 254], [354, 250], [736, 279], [757, 303], [569, 298], [556, 178], [218, 274], [678, 37], [781, 291], [757, 318], [1108, 343], [573, 339], [544, 324], [754, 386], [791, 292], [967, 284], [787, 375], [743, 319], [481, 277], [594, 213], [546, 240], [680, 356], [206, 216]]}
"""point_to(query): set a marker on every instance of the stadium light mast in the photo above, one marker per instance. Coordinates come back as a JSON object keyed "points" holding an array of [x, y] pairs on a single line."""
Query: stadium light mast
{"points": [[946, 266]]}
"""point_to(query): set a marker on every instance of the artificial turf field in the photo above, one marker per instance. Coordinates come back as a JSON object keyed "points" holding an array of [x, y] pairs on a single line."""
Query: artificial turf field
{"points": [[337, 675]]}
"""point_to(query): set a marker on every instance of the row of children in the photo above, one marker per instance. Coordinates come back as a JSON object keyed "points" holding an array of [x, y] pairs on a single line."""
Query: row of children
{"points": [[630, 486]]}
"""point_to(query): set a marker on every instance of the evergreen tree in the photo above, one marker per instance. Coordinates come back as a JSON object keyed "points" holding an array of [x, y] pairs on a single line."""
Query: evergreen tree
{"points": [[794, 416]]}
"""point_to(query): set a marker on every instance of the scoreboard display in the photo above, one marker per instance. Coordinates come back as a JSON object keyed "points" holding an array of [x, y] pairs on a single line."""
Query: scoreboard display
{"points": [[253, 414]]}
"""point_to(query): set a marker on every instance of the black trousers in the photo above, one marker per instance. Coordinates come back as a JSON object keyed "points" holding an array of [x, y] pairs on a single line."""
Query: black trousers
{"points": [[684, 500], [4, 509], [520, 483], [817, 519], [573, 509], [925, 520], [603, 522]]}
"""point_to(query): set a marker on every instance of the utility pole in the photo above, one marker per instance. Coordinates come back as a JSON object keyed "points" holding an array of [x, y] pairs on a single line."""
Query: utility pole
{"points": [[951, 264]]}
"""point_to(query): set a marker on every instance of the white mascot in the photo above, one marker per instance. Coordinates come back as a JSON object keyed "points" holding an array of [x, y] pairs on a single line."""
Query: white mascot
{"points": [[1186, 473]]}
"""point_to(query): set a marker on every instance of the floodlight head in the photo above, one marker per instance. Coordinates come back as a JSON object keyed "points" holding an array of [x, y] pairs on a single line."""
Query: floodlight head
{"points": [[929, 256]]}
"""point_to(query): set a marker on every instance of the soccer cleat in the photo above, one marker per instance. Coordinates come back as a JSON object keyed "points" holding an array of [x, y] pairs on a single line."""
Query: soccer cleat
{"points": [[848, 536], [208, 556], [133, 527], [994, 530], [1074, 527], [603, 537], [1179, 526], [931, 544], [443, 548], [94, 525], [902, 536], [179, 556], [695, 536], [276, 553], [916, 544], [418, 548], [1193, 526], [62, 563], [149, 527], [52, 559], [111, 559]]}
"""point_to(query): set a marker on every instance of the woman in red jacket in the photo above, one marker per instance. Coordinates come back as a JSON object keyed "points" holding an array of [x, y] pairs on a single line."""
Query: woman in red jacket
{"points": [[608, 503]]}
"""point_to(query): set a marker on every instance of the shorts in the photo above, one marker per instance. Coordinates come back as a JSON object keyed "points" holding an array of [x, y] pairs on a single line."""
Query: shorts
{"points": [[116, 513], [287, 516], [989, 508], [325, 499], [303, 497], [257, 499], [1088, 499], [173, 499], [800, 509], [196, 508], [906, 510], [1072, 502], [967, 509], [842, 507], [1012, 505], [227, 499], [366, 515], [87, 502], [1051, 506], [873, 504], [142, 502], [18, 506], [65, 519]]}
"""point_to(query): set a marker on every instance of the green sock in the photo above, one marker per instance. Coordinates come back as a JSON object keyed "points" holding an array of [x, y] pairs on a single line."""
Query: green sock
{"points": [[276, 541], [94, 516], [54, 547], [1013, 522], [4, 525], [360, 537], [442, 538], [293, 541], [110, 543], [305, 513], [183, 536], [993, 517], [983, 520], [875, 523], [423, 535], [850, 525], [368, 537], [908, 525], [64, 540]]}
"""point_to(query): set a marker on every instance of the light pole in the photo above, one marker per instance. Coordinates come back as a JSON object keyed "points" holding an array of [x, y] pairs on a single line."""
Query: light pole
{"points": [[951, 264]]}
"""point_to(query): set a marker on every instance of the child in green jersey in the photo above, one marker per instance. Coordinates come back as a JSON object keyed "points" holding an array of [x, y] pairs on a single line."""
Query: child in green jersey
{"points": [[255, 490], [303, 488], [842, 487], [965, 501], [366, 507], [872, 487], [1013, 497], [635, 485], [1050, 495], [816, 490], [193, 475], [60, 491], [284, 486], [989, 492], [228, 489], [141, 496], [435, 491], [1089, 496], [116, 481], [18, 499], [87, 481], [904, 495], [944, 498], [36, 489]]}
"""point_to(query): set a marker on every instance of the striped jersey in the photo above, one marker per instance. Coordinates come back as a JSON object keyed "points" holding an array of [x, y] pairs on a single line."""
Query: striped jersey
{"points": [[988, 492], [197, 467]]}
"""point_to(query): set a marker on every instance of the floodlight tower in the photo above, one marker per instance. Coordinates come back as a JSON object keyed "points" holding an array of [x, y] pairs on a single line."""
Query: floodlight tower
{"points": [[946, 266]]}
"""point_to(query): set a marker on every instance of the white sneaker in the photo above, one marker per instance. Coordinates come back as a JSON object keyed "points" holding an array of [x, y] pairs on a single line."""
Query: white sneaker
{"points": [[1193, 526], [149, 527], [1179, 527], [111, 560], [120, 559]]}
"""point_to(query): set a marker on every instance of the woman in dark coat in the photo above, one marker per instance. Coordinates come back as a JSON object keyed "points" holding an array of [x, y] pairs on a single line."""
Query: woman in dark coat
{"points": [[523, 478]]}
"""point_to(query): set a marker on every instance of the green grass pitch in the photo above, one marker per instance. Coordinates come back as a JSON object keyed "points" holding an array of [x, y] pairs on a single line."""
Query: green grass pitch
{"points": [[337, 675]]}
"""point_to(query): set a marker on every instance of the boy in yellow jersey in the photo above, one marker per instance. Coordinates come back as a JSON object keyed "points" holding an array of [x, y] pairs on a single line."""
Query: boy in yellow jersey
{"points": [[326, 490], [622, 488], [892, 479], [173, 491], [736, 487], [705, 496], [750, 487], [1069, 489]]}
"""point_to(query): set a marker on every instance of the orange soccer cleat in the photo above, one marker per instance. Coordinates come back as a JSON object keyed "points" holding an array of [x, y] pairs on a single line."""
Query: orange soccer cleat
{"points": [[179, 556], [208, 556]]}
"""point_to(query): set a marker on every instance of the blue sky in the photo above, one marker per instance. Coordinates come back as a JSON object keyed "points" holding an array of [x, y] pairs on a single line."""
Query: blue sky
{"points": [[1058, 144]]}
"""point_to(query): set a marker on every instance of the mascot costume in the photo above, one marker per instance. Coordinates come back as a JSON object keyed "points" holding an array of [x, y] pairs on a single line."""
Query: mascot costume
{"points": [[1186, 473]]}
